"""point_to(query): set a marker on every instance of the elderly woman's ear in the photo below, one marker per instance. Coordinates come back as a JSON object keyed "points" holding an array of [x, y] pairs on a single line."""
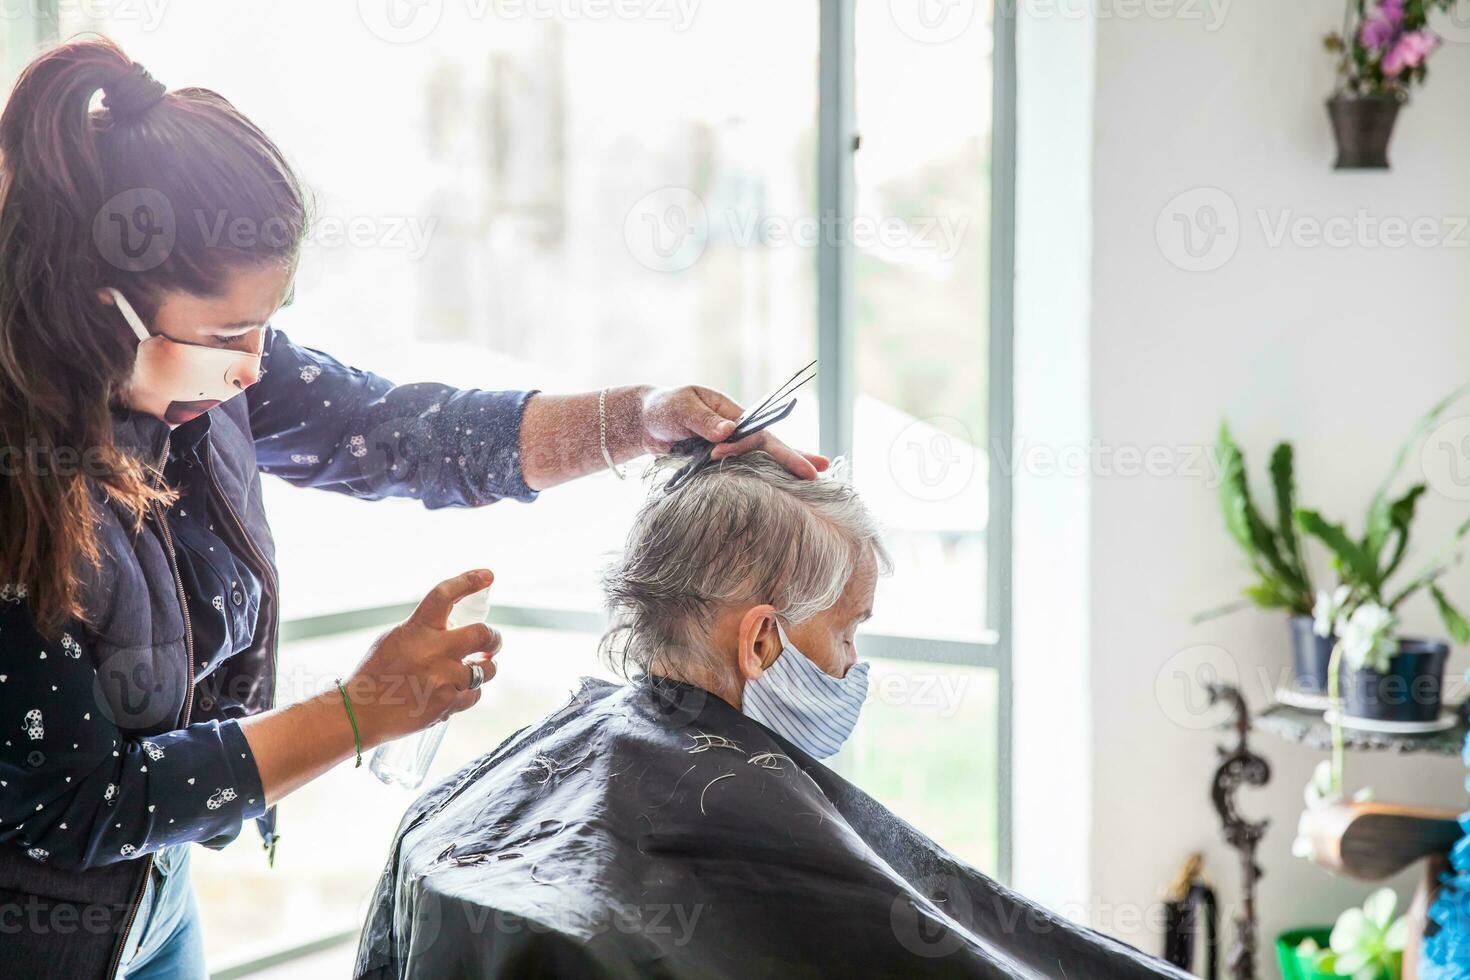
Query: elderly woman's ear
{"points": [[758, 642]]}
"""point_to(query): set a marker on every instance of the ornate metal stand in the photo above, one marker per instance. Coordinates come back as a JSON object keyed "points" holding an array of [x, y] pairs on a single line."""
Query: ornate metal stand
{"points": [[1239, 766]]}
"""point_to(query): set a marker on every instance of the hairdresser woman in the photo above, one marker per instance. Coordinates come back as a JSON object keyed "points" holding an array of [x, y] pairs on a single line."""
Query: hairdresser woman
{"points": [[142, 391]]}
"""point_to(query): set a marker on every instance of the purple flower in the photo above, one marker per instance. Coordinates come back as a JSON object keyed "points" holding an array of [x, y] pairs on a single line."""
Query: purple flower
{"points": [[1408, 52], [1382, 25]]}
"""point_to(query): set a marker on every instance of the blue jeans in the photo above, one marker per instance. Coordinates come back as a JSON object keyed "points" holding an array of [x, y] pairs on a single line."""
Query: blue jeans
{"points": [[166, 941]]}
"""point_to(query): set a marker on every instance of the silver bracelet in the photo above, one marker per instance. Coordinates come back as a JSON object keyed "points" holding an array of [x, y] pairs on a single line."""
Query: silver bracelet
{"points": [[602, 433]]}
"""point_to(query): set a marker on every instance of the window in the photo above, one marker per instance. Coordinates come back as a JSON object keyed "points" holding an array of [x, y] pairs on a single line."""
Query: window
{"points": [[511, 197]]}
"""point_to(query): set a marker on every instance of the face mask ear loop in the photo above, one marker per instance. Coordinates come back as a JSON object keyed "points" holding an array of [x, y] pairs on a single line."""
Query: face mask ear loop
{"points": [[785, 643], [129, 314]]}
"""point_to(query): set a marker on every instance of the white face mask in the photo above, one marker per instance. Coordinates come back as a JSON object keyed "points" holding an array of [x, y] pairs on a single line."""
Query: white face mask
{"points": [[177, 381], [798, 700]]}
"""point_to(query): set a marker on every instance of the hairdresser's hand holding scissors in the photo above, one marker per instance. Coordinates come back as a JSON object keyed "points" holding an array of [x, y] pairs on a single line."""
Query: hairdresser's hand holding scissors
{"points": [[567, 436]]}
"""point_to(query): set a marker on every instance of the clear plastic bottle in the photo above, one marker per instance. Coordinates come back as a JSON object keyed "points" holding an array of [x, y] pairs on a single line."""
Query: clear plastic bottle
{"points": [[405, 761]]}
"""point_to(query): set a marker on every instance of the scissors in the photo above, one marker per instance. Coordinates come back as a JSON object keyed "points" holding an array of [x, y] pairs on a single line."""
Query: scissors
{"points": [[770, 411]]}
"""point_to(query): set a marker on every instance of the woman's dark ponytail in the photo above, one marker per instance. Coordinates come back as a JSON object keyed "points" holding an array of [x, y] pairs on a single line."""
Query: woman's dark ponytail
{"points": [[126, 190]]}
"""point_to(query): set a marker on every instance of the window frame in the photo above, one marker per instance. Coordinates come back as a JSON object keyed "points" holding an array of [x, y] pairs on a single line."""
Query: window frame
{"points": [[839, 141]]}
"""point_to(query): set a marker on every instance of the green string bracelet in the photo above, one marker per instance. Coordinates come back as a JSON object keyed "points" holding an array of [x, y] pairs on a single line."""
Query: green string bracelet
{"points": [[356, 735]]}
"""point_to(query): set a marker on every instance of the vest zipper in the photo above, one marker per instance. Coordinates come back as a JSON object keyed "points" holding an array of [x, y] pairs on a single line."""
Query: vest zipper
{"points": [[188, 699], [132, 914]]}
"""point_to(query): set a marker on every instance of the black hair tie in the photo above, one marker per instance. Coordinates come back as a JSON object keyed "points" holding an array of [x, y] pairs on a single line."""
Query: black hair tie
{"points": [[131, 96]]}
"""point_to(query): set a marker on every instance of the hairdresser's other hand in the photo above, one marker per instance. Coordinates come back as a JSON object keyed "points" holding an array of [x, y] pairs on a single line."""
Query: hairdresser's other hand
{"points": [[417, 673], [672, 414]]}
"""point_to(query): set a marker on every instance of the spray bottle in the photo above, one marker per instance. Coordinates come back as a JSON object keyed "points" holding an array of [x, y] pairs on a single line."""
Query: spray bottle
{"points": [[405, 761]]}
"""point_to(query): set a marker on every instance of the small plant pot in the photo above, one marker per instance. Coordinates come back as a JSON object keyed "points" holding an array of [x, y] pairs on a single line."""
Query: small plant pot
{"points": [[1363, 125], [1310, 656], [1304, 966], [1411, 691], [1298, 966]]}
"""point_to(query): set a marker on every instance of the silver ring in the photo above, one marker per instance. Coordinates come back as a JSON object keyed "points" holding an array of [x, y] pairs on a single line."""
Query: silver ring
{"points": [[477, 676]]}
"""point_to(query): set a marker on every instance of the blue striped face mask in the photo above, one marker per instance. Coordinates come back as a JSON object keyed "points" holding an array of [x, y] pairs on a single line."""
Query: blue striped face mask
{"points": [[799, 701]]}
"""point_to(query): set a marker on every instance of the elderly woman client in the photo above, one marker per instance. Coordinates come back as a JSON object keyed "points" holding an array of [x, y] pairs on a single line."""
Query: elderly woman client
{"points": [[682, 825]]}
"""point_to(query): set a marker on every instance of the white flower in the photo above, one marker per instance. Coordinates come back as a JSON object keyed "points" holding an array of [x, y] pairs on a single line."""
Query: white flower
{"points": [[1368, 638], [1321, 790], [1324, 613], [310, 373], [1301, 845]]}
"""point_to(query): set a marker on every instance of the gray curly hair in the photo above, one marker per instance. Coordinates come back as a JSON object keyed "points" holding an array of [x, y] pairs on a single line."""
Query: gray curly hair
{"points": [[743, 531]]}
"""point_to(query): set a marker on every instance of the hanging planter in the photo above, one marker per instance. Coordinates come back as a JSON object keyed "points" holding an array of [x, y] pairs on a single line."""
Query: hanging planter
{"points": [[1381, 52], [1363, 126]]}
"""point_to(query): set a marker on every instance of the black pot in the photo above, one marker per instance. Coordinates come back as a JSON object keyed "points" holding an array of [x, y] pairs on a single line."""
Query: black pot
{"points": [[1363, 126], [1412, 690], [1310, 655]]}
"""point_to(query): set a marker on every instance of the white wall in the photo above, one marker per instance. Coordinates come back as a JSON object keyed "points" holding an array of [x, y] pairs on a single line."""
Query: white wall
{"points": [[1339, 349]]}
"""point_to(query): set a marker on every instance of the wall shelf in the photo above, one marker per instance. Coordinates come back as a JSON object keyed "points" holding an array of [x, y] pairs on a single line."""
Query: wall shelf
{"points": [[1308, 728]]}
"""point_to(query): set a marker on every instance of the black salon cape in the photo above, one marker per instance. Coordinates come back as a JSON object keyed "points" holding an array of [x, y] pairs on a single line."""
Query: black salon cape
{"points": [[657, 832]]}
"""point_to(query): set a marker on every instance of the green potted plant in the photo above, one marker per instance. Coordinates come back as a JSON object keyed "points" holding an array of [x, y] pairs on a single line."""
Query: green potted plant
{"points": [[1276, 552], [1381, 53], [1377, 674], [1385, 677], [1366, 943]]}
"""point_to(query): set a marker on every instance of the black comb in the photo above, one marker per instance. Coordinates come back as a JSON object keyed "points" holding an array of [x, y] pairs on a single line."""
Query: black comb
{"points": [[772, 409]]}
